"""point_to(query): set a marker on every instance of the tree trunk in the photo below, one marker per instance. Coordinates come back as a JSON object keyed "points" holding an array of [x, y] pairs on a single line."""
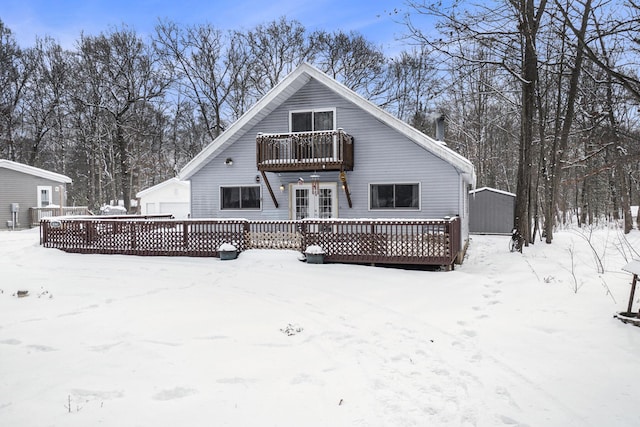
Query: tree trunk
{"points": [[559, 152], [125, 178]]}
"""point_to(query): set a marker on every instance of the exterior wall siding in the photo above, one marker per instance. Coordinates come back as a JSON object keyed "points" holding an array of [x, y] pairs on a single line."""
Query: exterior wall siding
{"points": [[491, 212], [18, 187], [381, 155]]}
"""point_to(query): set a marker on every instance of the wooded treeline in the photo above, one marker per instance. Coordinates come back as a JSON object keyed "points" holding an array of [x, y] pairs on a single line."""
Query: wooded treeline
{"points": [[543, 97]]}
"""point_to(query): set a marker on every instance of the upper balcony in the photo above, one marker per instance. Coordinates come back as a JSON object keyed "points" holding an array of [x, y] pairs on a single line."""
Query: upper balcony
{"points": [[304, 151]]}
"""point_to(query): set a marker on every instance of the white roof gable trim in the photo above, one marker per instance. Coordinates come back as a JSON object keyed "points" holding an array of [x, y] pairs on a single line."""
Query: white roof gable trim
{"points": [[495, 190], [171, 181], [31, 170], [295, 80]]}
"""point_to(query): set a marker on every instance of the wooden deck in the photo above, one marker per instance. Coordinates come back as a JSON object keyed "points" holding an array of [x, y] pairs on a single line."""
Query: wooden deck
{"points": [[417, 242], [38, 214]]}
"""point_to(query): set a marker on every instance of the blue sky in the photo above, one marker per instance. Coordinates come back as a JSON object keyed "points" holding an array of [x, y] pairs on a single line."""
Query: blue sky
{"points": [[64, 20]]}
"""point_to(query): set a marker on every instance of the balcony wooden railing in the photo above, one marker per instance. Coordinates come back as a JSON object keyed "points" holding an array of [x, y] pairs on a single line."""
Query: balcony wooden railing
{"points": [[421, 242], [304, 151]]}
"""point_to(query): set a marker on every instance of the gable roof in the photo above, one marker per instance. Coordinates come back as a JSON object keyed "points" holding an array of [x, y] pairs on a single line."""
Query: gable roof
{"points": [[31, 170], [171, 181], [289, 86], [494, 190]]}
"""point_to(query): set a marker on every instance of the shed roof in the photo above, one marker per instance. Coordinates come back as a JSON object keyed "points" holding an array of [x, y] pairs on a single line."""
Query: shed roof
{"points": [[494, 190], [31, 170], [289, 86]]}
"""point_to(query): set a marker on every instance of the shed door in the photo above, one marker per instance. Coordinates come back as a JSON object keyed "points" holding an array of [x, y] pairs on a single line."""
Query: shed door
{"points": [[314, 200]]}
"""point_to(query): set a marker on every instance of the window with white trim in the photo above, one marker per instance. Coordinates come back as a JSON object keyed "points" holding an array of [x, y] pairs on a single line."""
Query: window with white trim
{"points": [[44, 196], [240, 197], [394, 196], [312, 120]]}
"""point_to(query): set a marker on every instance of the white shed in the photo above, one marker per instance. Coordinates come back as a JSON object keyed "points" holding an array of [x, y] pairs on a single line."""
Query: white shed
{"points": [[169, 197]]}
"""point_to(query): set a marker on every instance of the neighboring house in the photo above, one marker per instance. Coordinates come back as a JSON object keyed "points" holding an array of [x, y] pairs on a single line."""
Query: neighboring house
{"points": [[491, 211], [24, 187], [311, 147], [169, 197]]}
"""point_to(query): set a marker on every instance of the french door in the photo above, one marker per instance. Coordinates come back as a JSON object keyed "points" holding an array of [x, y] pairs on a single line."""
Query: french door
{"points": [[316, 200]]}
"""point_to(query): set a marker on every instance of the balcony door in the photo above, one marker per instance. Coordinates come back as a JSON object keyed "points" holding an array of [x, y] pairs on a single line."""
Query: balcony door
{"points": [[315, 141], [319, 200]]}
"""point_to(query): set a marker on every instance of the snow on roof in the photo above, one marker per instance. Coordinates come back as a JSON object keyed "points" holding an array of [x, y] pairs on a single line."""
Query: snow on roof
{"points": [[633, 267], [495, 190], [31, 170], [291, 84], [171, 181]]}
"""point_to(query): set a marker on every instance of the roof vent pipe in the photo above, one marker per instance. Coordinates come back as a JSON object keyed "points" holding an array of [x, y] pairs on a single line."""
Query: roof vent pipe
{"points": [[440, 128]]}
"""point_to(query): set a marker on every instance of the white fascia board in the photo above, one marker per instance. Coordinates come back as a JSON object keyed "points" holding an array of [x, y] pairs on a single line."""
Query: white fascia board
{"points": [[495, 190], [31, 170]]}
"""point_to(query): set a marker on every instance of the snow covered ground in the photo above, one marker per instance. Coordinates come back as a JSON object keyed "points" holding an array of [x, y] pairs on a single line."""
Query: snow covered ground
{"points": [[266, 340]]}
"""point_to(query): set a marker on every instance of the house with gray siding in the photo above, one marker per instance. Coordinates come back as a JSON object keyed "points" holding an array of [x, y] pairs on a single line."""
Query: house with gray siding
{"points": [[312, 148], [491, 211], [24, 187]]}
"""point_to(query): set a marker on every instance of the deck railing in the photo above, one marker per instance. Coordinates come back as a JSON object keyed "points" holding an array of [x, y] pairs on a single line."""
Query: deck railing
{"points": [[426, 242], [320, 150], [37, 214]]}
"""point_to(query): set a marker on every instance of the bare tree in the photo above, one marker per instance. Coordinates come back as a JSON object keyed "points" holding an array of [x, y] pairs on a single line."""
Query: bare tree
{"points": [[46, 101], [564, 120], [412, 85], [275, 50], [350, 59], [15, 72], [130, 79], [204, 72], [512, 47]]}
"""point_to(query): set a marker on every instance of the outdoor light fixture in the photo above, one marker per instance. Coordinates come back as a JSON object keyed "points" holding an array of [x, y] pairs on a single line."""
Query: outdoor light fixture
{"points": [[228, 161], [282, 188], [315, 178], [257, 178]]}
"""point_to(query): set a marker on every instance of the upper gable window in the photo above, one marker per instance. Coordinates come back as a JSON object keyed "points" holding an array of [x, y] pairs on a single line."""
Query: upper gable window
{"points": [[314, 120]]}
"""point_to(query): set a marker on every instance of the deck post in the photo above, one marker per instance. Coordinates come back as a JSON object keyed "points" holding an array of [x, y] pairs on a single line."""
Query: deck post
{"points": [[343, 178], [266, 181], [633, 291]]}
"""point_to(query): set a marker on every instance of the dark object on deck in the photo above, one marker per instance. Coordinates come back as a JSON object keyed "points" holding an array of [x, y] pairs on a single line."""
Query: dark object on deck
{"points": [[629, 316]]}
